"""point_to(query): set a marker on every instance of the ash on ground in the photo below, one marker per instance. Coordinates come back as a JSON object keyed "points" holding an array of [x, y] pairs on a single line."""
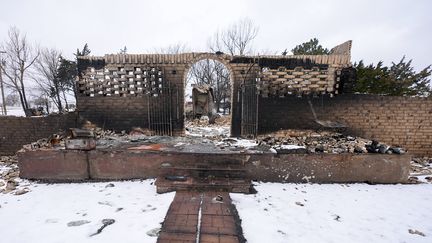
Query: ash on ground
{"points": [[326, 142], [421, 170], [200, 131]]}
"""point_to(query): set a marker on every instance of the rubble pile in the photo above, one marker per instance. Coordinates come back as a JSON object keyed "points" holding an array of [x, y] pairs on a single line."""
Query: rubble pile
{"points": [[205, 121], [55, 140], [9, 177], [326, 142], [217, 131], [421, 166], [101, 133], [223, 121], [295, 140], [9, 168]]}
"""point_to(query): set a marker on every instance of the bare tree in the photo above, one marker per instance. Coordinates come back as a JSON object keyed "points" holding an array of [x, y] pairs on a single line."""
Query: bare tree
{"points": [[214, 74], [46, 76], [176, 48], [236, 39], [19, 57], [12, 99]]}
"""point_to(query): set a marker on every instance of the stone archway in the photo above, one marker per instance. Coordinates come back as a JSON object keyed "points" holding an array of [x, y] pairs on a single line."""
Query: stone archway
{"points": [[222, 59]]}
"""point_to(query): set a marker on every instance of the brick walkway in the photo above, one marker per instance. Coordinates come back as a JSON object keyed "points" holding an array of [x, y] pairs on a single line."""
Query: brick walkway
{"points": [[217, 222]]}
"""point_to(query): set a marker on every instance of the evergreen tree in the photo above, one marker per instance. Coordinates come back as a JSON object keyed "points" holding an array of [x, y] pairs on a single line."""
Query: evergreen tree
{"points": [[123, 51], [399, 79], [311, 47], [84, 52], [405, 81], [67, 68], [66, 74]]}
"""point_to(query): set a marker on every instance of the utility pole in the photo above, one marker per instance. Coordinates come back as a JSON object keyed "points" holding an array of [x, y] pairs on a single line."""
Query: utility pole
{"points": [[1, 85]]}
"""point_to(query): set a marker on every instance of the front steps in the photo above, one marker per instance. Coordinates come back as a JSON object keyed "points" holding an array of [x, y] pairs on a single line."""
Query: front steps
{"points": [[228, 176]]}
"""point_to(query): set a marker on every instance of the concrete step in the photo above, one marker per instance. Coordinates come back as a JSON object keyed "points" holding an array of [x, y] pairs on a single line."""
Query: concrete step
{"points": [[203, 184], [199, 172], [209, 160]]}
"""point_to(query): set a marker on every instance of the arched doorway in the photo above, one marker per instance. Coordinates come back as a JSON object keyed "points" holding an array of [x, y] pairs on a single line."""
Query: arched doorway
{"points": [[208, 97]]}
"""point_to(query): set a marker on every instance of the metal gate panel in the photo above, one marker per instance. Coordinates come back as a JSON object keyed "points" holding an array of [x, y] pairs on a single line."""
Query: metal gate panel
{"points": [[160, 110], [249, 105]]}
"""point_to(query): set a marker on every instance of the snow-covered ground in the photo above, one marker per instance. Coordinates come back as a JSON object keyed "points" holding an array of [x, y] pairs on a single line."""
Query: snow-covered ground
{"points": [[336, 213], [277, 213], [18, 111], [43, 214], [14, 111]]}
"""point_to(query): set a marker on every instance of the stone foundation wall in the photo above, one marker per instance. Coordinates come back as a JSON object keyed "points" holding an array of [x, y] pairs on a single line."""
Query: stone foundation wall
{"points": [[17, 131], [400, 121], [118, 164]]}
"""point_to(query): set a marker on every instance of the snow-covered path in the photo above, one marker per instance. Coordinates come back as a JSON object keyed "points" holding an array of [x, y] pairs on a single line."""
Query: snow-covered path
{"points": [[336, 213], [42, 214]]}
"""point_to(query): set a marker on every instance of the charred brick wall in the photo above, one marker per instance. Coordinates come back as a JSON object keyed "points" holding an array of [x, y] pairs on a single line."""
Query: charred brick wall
{"points": [[114, 90], [121, 113], [403, 121], [119, 107], [124, 111], [115, 113], [17, 131]]}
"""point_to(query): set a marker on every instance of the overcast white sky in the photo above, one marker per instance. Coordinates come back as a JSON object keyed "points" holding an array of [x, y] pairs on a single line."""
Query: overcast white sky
{"points": [[380, 29]]}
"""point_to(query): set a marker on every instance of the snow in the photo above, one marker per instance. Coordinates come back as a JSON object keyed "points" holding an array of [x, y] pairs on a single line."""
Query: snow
{"points": [[198, 233], [277, 213], [18, 110], [291, 146], [245, 143], [15, 111], [3, 168], [42, 214], [336, 213], [208, 131]]}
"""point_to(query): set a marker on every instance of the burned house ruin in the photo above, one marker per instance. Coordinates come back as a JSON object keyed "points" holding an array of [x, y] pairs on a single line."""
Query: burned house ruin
{"points": [[146, 93], [121, 91]]}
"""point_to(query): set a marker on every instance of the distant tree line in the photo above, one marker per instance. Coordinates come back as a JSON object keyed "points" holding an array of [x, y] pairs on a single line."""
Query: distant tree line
{"points": [[53, 74]]}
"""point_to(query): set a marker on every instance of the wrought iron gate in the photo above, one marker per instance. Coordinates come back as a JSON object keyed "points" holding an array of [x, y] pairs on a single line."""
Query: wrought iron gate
{"points": [[160, 110], [249, 110]]}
